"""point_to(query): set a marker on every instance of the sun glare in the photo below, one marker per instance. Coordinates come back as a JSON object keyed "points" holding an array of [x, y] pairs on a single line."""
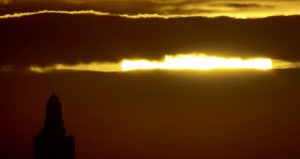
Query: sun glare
{"points": [[197, 62], [193, 61]]}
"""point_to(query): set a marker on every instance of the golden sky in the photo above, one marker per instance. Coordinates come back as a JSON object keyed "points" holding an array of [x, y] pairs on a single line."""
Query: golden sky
{"points": [[83, 50]]}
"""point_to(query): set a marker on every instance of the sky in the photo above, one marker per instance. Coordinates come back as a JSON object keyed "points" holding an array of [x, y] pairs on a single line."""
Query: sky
{"points": [[75, 48]]}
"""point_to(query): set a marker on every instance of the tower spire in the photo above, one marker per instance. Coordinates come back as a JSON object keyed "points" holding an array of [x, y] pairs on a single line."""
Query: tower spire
{"points": [[53, 120]]}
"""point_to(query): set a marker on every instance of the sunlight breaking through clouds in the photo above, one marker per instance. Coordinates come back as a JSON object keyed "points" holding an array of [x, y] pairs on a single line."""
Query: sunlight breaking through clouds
{"points": [[197, 62], [193, 61]]}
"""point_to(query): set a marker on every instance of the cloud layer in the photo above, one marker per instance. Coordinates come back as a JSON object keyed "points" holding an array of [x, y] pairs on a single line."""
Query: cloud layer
{"points": [[50, 38], [211, 8]]}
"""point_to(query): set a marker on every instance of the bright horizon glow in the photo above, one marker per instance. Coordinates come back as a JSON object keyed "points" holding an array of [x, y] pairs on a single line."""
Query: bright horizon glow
{"points": [[197, 62]]}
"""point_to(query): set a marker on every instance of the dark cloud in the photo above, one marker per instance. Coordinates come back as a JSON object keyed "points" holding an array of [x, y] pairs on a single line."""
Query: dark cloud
{"points": [[247, 5], [60, 38]]}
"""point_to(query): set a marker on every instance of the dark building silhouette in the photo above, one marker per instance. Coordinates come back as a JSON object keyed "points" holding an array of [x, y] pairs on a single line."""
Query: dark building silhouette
{"points": [[52, 142]]}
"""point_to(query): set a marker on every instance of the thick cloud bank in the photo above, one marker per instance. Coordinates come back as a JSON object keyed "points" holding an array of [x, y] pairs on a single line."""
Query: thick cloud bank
{"points": [[49, 38]]}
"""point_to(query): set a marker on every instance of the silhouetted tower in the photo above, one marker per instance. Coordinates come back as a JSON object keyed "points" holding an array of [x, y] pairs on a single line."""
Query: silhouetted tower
{"points": [[52, 142]]}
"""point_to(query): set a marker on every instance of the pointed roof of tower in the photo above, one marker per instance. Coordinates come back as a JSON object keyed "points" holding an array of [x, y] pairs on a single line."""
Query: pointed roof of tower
{"points": [[53, 99], [54, 119]]}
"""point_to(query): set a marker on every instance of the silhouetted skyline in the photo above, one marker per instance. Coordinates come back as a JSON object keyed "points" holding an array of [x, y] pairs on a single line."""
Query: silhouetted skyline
{"points": [[52, 142]]}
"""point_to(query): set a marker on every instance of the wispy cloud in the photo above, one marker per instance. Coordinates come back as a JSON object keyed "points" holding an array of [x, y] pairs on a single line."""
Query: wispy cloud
{"points": [[137, 16], [17, 15], [94, 66], [155, 8]]}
